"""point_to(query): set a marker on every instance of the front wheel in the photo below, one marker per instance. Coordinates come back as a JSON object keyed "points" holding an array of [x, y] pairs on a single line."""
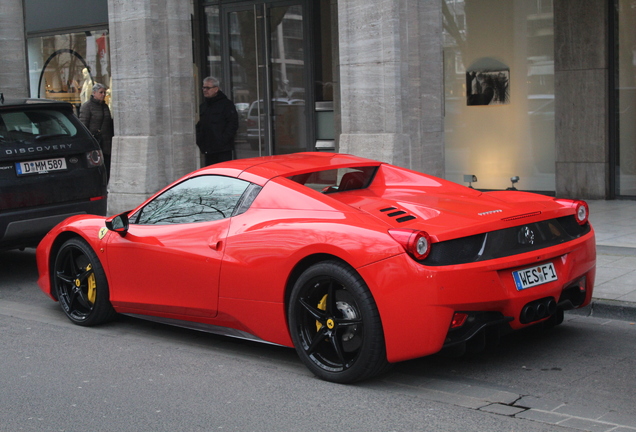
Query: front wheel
{"points": [[80, 284], [335, 324]]}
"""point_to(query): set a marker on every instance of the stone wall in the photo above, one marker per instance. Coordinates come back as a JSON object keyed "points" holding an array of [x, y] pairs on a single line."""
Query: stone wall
{"points": [[13, 65], [153, 98], [581, 98], [392, 82]]}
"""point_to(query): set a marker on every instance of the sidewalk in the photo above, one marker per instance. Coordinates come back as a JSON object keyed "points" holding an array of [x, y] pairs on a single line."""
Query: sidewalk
{"points": [[615, 290]]}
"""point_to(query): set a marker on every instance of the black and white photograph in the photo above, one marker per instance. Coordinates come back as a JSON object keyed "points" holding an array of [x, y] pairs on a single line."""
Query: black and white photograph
{"points": [[488, 87]]}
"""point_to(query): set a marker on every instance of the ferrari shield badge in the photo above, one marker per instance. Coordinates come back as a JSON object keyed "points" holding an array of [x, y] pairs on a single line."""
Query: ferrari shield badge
{"points": [[102, 232]]}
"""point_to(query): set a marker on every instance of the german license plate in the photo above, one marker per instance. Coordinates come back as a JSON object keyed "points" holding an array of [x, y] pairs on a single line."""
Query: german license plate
{"points": [[40, 166], [533, 276]]}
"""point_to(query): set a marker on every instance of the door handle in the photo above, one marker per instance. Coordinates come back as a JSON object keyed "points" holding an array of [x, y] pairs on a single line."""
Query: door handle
{"points": [[217, 246]]}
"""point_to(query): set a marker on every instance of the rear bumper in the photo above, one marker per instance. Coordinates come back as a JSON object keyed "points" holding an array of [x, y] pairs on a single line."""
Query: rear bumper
{"points": [[417, 303], [26, 227]]}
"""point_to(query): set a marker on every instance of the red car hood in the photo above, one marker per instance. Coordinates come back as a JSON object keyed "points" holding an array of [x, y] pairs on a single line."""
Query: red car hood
{"points": [[450, 215]]}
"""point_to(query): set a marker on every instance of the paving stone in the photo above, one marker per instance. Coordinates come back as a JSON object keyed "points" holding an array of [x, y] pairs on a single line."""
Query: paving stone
{"points": [[506, 410], [538, 403], [581, 411], [542, 416], [429, 394], [620, 419], [587, 425], [491, 395], [448, 386]]}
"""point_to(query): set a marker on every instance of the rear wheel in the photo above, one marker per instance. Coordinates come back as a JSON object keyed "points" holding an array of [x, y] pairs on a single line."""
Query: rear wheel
{"points": [[335, 324], [81, 285]]}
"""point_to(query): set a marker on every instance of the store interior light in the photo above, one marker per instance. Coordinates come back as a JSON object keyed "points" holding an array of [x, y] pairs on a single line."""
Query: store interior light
{"points": [[470, 179], [513, 180]]}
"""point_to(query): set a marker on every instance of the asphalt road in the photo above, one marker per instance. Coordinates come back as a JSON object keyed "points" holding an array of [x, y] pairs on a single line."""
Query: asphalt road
{"points": [[133, 375]]}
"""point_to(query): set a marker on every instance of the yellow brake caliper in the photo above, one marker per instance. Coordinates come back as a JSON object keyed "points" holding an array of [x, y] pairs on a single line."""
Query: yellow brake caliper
{"points": [[92, 292], [322, 306]]}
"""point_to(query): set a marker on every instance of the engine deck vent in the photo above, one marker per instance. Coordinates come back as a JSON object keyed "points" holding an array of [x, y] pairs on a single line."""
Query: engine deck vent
{"points": [[399, 215]]}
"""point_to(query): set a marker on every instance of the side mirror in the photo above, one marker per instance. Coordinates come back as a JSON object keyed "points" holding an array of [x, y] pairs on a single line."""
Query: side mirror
{"points": [[118, 223]]}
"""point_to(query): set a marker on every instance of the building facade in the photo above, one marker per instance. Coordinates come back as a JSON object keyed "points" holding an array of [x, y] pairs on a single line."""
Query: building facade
{"points": [[461, 89]]}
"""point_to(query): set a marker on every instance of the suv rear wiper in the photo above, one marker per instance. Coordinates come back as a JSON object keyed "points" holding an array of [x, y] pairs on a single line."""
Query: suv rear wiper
{"points": [[42, 137]]}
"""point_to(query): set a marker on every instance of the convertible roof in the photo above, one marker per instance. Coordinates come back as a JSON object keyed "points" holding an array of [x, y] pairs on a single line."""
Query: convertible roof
{"points": [[268, 167]]}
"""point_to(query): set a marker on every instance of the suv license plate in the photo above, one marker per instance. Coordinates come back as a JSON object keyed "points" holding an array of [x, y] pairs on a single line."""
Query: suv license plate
{"points": [[40, 166], [533, 276]]}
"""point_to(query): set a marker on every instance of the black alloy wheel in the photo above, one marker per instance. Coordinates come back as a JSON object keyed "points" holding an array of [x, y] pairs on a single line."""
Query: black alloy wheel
{"points": [[80, 284], [335, 324]]}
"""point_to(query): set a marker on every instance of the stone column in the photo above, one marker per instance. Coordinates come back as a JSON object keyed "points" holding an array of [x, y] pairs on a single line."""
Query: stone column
{"points": [[581, 98], [13, 67], [391, 77], [153, 98]]}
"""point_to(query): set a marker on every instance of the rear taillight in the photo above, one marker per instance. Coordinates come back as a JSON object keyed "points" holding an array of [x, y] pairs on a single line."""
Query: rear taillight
{"points": [[94, 158], [582, 212], [415, 243]]}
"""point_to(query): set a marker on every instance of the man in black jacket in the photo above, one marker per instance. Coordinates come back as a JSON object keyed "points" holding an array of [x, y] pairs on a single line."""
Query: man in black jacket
{"points": [[218, 123]]}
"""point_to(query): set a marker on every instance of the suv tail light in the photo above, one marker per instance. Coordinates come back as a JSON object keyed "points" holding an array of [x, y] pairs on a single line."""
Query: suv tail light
{"points": [[95, 158], [415, 243]]}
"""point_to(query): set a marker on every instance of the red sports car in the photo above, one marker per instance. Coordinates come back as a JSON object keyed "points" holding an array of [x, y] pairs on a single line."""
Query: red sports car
{"points": [[356, 263]]}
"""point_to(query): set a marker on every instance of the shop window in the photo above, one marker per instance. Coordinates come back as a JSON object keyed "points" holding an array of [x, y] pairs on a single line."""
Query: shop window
{"points": [[499, 92], [213, 45], [65, 67], [626, 98]]}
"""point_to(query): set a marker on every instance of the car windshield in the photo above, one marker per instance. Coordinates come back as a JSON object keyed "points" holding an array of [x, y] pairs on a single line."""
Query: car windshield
{"points": [[30, 126], [337, 180]]}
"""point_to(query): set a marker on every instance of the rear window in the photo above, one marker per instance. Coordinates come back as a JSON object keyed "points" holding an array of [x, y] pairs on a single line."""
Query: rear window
{"points": [[337, 180], [31, 126]]}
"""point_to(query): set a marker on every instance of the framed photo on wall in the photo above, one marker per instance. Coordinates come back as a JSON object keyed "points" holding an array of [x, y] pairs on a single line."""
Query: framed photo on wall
{"points": [[488, 87]]}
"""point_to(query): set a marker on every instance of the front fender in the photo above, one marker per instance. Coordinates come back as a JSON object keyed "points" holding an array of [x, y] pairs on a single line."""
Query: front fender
{"points": [[88, 227]]}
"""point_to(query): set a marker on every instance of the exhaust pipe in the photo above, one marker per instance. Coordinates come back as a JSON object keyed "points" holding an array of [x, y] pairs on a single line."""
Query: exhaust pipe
{"points": [[538, 310]]}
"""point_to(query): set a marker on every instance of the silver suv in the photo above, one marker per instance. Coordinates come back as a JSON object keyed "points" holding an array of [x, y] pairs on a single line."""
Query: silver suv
{"points": [[51, 168]]}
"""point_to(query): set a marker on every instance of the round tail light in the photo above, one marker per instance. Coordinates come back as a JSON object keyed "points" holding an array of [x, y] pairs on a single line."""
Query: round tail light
{"points": [[415, 243], [582, 212]]}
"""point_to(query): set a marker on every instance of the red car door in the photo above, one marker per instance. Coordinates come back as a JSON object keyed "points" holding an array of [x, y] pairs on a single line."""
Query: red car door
{"points": [[167, 269], [169, 259]]}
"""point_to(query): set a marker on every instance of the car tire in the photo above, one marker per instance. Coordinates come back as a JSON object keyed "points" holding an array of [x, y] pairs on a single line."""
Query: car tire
{"points": [[335, 324], [80, 284]]}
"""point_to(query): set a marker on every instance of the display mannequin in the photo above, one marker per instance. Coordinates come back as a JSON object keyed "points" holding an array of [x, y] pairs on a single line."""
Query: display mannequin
{"points": [[87, 86]]}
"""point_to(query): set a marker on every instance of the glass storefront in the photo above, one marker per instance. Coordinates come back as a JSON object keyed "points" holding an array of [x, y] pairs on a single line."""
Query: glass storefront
{"points": [[274, 60], [625, 92], [499, 92], [66, 66]]}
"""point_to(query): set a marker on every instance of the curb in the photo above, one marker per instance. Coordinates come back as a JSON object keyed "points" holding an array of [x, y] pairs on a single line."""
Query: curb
{"points": [[609, 309], [615, 250]]}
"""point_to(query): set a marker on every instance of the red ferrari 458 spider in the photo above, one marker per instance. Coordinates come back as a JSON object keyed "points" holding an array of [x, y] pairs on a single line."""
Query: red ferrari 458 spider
{"points": [[356, 263]]}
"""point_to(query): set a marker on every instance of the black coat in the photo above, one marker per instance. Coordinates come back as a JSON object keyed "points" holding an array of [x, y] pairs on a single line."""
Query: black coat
{"points": [[217, 126], [96, 117]]}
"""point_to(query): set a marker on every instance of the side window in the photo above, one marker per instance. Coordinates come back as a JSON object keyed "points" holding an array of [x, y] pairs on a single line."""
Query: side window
{"points": [[199, 199]]}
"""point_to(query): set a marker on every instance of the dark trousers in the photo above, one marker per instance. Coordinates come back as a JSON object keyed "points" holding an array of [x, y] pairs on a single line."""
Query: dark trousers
{"points": [[212, 158]]}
